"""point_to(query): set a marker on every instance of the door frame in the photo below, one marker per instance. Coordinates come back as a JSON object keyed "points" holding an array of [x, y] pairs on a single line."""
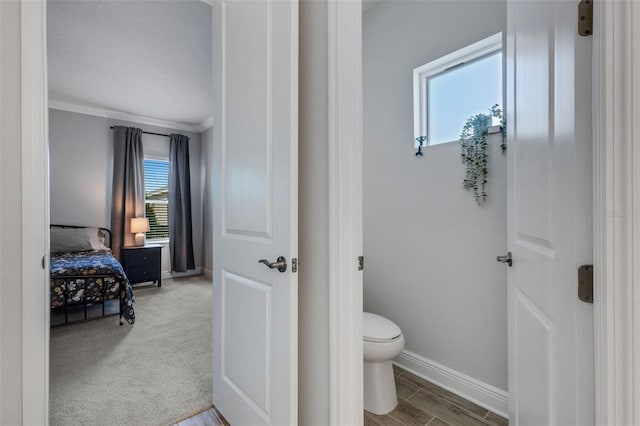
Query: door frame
{"points": [[616, 188], [35, 212], [346, 362], [616, 161]]}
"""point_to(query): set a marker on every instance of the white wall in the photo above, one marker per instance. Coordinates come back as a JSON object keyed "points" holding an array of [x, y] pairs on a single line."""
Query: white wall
{"points": [[81, 169], [313, 240], [429, 249]]}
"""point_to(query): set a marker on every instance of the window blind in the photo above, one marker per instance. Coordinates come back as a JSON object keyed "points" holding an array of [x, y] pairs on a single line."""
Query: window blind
{"points": [[156, 189]]}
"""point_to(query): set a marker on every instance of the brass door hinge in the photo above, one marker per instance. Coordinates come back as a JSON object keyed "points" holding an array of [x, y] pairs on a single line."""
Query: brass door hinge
{"points": [[585, 18]]}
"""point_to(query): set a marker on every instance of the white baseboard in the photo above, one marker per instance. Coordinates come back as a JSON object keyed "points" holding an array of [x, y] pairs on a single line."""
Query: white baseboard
{"points": [[483, 394], [207, 272], [168, 275]]}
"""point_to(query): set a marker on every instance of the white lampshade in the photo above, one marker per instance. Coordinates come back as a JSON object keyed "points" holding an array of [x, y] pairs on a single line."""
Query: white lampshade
{"points": [[139, 224]]}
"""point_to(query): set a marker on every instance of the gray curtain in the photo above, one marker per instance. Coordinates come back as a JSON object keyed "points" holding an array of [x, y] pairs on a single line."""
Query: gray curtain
{"points": [[127, 196], [180, 236]]}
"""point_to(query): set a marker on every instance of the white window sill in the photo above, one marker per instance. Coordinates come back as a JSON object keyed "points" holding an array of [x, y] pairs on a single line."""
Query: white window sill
{"points": [[490, 131], [162, 241]]}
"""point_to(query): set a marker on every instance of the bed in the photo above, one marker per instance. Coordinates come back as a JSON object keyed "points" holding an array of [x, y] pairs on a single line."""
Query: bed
{"points": [[86, 280]]}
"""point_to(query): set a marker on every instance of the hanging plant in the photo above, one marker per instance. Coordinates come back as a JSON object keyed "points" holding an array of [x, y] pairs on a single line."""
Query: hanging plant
{"points": [[473, 150]]}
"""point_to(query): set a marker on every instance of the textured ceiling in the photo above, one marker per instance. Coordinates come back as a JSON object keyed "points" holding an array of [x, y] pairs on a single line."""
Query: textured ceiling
{"points": [[150, 58]]}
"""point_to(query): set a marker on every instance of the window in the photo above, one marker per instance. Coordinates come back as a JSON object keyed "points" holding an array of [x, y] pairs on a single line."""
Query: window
{"points": [[447, 91], [156, 193]]}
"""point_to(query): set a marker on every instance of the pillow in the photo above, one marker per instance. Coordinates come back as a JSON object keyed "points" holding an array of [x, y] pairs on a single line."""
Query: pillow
{"points": [[75, 239], [104, 238]]}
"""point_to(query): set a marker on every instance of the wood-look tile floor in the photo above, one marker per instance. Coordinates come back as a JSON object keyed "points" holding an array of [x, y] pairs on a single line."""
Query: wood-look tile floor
{"points": [[420, 403]]}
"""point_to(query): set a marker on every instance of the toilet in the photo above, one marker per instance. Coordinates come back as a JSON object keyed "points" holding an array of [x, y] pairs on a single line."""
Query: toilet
{"points": [[383, 341]]}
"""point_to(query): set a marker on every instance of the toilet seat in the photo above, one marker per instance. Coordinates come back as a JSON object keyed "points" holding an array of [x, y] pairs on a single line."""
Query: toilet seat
{"points": [[372, 340], [378, 329]]}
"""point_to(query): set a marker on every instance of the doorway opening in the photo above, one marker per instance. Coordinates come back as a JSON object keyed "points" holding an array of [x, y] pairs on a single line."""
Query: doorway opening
{"points": [[115, 65], [446, 292]]}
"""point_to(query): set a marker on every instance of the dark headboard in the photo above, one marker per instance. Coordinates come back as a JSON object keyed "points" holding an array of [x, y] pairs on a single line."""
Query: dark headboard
{"points": [[103, 231]]}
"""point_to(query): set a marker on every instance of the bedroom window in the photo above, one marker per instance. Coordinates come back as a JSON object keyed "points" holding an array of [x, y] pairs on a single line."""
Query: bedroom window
{"points": [[450, 89], [156, 192]]}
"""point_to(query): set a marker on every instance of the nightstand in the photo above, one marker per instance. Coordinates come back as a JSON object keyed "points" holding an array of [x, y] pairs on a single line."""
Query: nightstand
{"points": [[143, 263]]}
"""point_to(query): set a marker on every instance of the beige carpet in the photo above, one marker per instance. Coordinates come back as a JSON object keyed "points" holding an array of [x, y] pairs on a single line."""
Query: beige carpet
{"points": [[152, 373]]}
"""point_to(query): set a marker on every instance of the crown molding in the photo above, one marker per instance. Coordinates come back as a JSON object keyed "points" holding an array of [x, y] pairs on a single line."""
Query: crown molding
{"points": [[119, 115], [206, 123]]}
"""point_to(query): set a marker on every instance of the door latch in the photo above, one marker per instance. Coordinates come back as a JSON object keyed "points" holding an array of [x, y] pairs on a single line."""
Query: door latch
{"points": [[360, 263], [294, 265], [585, 283]]}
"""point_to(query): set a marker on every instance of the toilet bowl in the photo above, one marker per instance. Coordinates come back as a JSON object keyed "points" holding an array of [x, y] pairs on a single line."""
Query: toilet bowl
{"points": [[383, 341]]}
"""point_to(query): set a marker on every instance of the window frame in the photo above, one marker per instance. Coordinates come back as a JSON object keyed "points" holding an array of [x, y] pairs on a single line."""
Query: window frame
{"points": [[423, 73], [157, 158]]}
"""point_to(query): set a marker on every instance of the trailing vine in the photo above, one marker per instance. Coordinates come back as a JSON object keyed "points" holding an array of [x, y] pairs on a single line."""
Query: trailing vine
{"points": [[473, 150]]}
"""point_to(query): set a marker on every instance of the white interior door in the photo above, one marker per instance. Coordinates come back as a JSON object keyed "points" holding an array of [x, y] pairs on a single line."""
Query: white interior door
{"points": [[549, 206], [255, 211]]}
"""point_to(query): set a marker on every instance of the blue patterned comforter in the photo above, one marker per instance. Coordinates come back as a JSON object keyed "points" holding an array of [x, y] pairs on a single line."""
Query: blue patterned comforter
{"points": [[85, 286]]}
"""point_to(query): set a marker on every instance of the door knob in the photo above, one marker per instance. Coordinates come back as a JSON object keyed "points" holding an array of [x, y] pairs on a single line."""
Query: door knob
{"points": [[280, 263], [505, 259]]}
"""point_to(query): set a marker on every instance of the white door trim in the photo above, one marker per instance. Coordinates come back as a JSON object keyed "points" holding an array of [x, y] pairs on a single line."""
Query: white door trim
{"points": [[35, 214], [616, 152], [345, 211]]}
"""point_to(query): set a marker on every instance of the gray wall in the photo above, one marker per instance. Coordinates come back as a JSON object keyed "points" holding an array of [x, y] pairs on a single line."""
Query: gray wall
{"points": [[11, 356], [430, 250], [313, 306], [81, 163]]}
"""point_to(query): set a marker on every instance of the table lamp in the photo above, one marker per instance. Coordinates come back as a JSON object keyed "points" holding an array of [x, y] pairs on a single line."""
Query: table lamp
{"points": [[139, 225]]}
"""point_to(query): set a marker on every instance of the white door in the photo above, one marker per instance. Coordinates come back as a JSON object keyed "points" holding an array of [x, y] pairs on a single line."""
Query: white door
{"points": [[549, 204], [255, 211]]}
